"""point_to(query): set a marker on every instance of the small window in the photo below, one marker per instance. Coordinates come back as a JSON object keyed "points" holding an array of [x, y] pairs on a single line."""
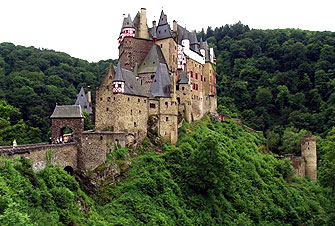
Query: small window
{"points": [[108, 88], [109, 99], [183, 88], [140, 112], [107, 109], [101, 138], [85, 107], [139, 100], [152, 105], [167, 119], [161, 45], [114, 98], [128, 99], [166, 104], [145, 101], [131, 111], [100, 98], [152, 76], [135, 125]]}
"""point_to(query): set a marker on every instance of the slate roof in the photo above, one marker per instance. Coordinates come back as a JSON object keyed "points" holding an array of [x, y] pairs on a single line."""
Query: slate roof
{"points": [[183, 33], [150, 63], [183, 78], [160, 86], [67, 111], [162, 19], [131, 85], [127, 22], [118, 77], [163, 29], [82, 101]]}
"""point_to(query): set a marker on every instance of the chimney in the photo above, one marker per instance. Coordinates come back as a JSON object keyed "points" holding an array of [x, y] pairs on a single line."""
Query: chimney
{"points": [[154, 34], [174, 26], [89, 97], [143, 29]]}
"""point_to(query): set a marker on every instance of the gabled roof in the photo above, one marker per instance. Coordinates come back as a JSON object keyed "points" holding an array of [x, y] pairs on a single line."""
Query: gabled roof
{"points": [[151, 61], [131, 85], [161, 83], [193, 38], [164, 31], [162, 19], [67, 111], [118, 77], [183, 78], [83, 102]]}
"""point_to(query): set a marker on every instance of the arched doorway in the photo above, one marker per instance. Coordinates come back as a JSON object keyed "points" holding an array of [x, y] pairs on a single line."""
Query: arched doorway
{"points": [[66, 135]]}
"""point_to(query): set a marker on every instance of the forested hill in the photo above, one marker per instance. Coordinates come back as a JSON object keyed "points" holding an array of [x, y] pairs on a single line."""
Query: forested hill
{"points": [[278, 81], [32, 81]]}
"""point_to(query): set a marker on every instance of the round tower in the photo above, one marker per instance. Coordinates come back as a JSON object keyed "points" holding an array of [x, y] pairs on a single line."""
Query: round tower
{"points": [[127, 30], [308, 153]]}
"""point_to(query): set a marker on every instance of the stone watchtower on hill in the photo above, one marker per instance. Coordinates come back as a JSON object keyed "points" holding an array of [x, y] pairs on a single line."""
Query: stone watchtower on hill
{"points": [[308, 153]]}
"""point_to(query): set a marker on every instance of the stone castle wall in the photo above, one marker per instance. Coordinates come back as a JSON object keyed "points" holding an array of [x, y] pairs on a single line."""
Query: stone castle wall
{"points": [[94, 146], [170, 52], [61, 154], [132, 51]]}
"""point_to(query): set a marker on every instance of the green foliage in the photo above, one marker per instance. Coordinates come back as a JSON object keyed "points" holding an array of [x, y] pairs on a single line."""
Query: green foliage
{"points": [[87, 121], [34, 80], [275, 78], [50, 197], [214, 176], [12, 127]]}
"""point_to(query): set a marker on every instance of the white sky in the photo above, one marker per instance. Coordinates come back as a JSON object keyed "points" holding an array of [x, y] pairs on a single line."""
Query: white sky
{"points": [[89, 29]]}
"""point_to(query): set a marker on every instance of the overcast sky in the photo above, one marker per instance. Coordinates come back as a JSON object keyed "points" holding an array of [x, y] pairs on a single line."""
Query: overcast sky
{"points": [[89, 29]]}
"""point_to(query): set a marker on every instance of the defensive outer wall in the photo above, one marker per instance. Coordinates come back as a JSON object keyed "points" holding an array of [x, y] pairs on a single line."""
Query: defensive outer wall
{"points": [[87, 152]]}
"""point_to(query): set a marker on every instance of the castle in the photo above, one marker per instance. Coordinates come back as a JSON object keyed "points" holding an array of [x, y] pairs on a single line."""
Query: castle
{"points": [[164, 76]]}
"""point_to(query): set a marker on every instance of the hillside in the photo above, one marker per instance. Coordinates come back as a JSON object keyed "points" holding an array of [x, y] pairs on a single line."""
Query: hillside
{"points": [[278, 81], [34, 80], [216, 175]]}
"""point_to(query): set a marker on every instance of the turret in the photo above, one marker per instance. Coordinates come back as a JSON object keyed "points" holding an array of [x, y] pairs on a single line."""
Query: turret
{"points": [[143, 28], [118, 81], [127, 30]]}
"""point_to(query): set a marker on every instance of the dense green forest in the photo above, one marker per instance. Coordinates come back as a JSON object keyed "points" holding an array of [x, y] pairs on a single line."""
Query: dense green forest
{"points": [[277, 81], [34, 80], [215, 175]]}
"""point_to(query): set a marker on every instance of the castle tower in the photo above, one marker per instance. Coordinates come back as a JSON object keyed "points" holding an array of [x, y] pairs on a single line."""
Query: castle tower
{"points": [[118, 81], [143, 27], [308, 152], [127, 30]]}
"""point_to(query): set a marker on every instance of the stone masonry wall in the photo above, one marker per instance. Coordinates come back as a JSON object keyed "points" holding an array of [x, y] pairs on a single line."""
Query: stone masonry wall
{"points": [[62, 154], [132, 51], [168, 119], [77, 126], [95, 145], [170, 52]]}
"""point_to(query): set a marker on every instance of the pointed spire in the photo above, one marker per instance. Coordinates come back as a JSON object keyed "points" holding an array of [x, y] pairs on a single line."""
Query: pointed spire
{"points": [[127, 22], [162, 19], [118, 74]]}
